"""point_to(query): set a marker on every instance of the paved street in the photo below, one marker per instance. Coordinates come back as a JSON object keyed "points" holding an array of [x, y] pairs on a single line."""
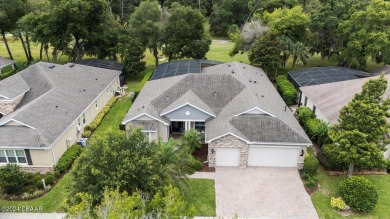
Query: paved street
{"points": [[262, 192]]}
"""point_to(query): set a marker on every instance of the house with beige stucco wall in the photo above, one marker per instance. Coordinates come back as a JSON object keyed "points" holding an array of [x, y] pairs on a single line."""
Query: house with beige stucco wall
{"points": [[44, 108]]}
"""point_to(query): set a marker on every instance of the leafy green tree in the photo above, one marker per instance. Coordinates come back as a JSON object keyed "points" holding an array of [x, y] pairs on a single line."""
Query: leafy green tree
{"points": [[12, 179], [166, 204], [113, 160], [226, 13], [366, 34], [363, 125], [133, 55], [10, 12], [265, 53], [269, 6], [185, 35], [146, 24]]}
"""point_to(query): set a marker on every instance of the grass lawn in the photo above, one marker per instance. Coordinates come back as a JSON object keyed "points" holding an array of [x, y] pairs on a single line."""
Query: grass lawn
{"points": [[329, 188], [50, 202], [202, 196]]}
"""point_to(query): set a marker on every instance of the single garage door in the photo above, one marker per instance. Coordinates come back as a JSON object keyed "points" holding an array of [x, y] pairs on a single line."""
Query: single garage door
{"points": [[227, 157], [273, 156]]}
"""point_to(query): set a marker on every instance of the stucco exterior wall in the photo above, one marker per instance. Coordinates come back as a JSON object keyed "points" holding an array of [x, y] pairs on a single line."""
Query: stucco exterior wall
{"points": [[229, 141], [309, 104], [8, 107]]}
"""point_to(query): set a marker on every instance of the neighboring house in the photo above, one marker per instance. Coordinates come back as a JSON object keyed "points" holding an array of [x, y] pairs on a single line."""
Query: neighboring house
{"points": [[243, 118], [45, 108], [322, 75], [6, 62], [327, 100]]}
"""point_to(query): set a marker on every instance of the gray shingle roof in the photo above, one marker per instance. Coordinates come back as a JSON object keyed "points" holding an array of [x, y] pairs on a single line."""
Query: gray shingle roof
{"points": [[145, 125], [329, 99], [239, 87], [5, 62], [58, 97], [191, 98], [264, 128], [13, 86]]}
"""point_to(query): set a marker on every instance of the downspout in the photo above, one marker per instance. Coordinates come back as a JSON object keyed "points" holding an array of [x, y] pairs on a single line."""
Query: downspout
{"points": [[54, 157]]}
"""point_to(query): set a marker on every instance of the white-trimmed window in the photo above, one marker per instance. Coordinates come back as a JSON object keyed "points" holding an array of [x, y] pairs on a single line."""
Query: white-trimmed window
{"points": [[200, 126], [13, 156]]}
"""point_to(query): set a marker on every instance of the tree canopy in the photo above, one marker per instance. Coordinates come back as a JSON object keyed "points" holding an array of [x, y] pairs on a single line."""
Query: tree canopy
{"points": [[363, 125]]}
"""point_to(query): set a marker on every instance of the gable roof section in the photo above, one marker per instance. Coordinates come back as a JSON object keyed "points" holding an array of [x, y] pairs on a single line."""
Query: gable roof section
{"points": [[329, 99], [189, 98], [13, 87], [145, 125], [52, 108], [263, 128]]}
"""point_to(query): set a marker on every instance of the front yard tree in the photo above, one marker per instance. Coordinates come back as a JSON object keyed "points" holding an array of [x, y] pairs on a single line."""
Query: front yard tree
{"points": [[128, 163], [363, 125], [185, 35], [146, 24]]}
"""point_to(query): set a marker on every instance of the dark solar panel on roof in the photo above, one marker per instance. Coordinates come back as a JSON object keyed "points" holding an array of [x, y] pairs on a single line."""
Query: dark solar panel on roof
{"points": [[181, 67], [322, 75]]}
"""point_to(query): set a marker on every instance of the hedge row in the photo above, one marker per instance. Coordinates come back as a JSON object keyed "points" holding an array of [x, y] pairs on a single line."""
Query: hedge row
{"points": [[146, 78], [68, 157], [316, 129], [96, 122], [286, 90]]}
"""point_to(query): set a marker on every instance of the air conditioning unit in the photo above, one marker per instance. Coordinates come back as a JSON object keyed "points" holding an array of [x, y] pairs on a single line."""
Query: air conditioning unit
{"points": [[82, 141]]}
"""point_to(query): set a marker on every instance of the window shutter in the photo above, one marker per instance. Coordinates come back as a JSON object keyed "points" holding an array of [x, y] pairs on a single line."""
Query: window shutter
{"points": [[28, 156]]}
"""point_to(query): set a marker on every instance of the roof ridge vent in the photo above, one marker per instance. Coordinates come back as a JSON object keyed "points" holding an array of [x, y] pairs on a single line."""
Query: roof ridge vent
{"points": [[51, 66], [71, 65]]}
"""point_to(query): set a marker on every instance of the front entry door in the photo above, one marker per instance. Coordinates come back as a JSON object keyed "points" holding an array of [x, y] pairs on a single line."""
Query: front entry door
{"points": [[178, 127]]}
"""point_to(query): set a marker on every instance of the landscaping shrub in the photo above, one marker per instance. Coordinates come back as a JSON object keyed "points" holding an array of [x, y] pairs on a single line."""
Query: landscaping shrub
{"points": [[99, 118], [198, 165], [68, 157], [49, 178], [332, 154], [38, 180], [12, 179], [57, 174], [359, 193], [337, 203], [317, 130], [304, 114], [311, 165], [286, 90], [310, 181]]}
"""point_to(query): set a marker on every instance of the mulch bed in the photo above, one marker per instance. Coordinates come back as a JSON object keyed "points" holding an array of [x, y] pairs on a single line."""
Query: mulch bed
{"points": [[201, 155]]}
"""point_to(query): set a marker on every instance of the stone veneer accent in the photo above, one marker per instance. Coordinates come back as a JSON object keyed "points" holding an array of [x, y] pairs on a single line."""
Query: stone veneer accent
{"points": [[229, 141], [8, 107]]}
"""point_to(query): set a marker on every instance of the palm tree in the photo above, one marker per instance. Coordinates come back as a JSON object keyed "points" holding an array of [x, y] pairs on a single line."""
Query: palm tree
{"points": [[177, 163]]}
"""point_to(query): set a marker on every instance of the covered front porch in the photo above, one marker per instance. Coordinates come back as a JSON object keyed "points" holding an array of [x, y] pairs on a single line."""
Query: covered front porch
{"points": [[178, 128]]}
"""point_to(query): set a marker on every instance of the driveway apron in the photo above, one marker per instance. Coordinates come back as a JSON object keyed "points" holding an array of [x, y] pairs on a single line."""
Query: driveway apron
{"points": [[261, 192]]}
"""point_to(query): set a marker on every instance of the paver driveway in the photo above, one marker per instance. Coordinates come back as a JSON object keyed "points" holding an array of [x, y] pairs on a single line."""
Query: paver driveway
{"points": [[261, 192]]}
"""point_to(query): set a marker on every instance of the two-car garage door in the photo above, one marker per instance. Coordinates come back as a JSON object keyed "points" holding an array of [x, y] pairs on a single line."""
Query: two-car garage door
{"points": [[274, 156]]}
